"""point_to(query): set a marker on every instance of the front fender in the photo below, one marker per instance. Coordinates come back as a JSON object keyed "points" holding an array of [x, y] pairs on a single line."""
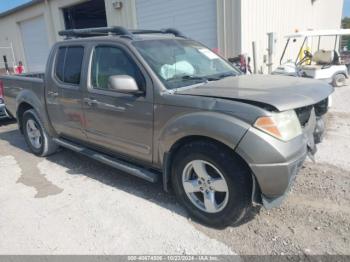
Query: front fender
{"points": [[218, 126]]}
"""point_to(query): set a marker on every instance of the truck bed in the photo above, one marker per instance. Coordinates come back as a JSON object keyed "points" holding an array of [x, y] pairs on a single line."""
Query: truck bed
{"points": [[14, 84]]}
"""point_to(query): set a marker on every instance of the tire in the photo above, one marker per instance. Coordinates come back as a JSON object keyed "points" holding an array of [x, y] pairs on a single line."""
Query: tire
{"points": [[32, 129], [220, 164], [339, 80]]}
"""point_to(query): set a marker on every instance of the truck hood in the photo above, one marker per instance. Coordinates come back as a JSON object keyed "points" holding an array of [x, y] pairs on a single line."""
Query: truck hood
{"points": [[281, 92]]}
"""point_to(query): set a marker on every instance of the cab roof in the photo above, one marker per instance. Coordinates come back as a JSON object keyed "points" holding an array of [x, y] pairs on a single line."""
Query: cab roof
{"points": [[311, 33]]}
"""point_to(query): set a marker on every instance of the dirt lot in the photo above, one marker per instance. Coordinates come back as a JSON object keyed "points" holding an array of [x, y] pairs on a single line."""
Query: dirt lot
{"points": [[68, 204]]}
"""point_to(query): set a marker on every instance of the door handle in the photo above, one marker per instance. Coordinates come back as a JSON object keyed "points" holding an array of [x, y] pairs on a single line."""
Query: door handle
{"points": [[90, 102], [51, 93]]}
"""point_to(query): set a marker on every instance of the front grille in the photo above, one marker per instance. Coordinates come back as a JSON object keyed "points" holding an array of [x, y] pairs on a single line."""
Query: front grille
{"points": [[303, 114], [321, 107]]}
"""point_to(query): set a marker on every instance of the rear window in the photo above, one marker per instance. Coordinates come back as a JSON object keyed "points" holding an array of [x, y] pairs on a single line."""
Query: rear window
{"points": [[68, 64]]}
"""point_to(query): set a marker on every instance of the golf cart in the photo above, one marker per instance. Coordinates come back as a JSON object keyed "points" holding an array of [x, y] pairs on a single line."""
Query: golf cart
{"points": [[317, 56]]}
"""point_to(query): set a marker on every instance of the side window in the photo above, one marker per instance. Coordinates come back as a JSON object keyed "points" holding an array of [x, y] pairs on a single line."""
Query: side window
{"points": [[108, 61], [74, 60], [68, 64], [61, 54]]}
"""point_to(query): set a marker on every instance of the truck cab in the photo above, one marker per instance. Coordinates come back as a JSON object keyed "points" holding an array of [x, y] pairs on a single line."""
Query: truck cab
{"points": [[160, 106]]}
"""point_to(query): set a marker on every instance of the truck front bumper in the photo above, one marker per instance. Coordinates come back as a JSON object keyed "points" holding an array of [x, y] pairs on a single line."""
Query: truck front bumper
{"points": [[275, 163], [283, 173]]}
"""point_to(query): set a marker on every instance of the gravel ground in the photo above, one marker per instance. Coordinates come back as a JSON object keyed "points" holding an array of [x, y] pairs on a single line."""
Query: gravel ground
{"points": [[315, 217], [68, 204]]}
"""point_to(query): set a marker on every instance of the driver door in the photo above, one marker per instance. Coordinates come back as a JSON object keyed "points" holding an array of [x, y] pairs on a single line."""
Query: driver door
{"points": [[118, 122]]}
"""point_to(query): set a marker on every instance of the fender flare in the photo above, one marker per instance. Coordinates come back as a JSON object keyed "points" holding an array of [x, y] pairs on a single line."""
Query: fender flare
{"points": [[29, 97], [225, 129], [218, 126]]}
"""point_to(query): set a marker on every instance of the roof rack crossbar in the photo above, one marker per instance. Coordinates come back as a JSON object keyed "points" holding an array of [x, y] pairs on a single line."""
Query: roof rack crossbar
{"points": [[115, 30], [163, 31], [173, 31]]}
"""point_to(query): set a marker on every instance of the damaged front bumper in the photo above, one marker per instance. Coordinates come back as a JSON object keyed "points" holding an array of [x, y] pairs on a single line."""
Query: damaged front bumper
{"points": [[275, 163]]}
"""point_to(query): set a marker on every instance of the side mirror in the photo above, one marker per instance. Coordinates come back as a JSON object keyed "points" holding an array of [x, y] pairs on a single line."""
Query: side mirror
{"points": [[123, 84]]}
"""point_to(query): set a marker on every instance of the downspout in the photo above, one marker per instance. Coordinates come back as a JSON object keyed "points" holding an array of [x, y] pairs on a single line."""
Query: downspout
{"points": [[236, 27], [224, 28], [51, 28]]}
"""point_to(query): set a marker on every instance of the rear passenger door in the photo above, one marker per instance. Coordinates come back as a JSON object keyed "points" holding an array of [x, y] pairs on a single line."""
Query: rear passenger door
{"points": [[64, 92], [119, 122]]}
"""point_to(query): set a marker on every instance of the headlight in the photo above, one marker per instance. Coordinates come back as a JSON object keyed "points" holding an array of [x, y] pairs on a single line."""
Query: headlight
{"points": [[284, 126]]}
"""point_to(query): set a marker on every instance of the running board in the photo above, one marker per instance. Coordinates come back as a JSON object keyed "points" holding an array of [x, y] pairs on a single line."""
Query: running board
{"points": [[113, 162]]}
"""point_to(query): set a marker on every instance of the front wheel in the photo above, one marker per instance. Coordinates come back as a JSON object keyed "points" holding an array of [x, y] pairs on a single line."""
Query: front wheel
{"points": [[213, 184], [38, 140]]}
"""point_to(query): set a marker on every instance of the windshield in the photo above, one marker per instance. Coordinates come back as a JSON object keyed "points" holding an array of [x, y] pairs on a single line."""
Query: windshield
{"points": [[180, 63]]}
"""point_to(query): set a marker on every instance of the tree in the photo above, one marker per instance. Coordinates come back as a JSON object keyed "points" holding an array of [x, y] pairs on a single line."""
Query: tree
{"points": [[345, 23]]}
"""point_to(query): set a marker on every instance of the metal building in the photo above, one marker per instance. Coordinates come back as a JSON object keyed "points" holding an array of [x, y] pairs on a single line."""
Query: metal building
{"points": [[228, 26]]}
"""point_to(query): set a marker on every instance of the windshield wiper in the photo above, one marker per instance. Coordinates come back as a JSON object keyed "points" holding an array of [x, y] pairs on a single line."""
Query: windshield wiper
{"points": [[207, 78], [190, 77], [226, 75], [204, 78]]}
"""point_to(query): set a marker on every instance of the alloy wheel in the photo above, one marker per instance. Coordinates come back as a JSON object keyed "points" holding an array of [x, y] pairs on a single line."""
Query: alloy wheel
{"points": [[34, 134], [205, 186]]}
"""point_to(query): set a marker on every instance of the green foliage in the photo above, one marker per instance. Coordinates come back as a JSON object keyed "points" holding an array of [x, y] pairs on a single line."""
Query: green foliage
{"points": [[345, 23]]}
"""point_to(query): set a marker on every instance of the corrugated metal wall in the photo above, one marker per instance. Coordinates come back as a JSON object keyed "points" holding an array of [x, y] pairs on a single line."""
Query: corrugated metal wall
{"points": [[196, 18], [283, 17], [229, 27], [126, 16], [238, 22]]}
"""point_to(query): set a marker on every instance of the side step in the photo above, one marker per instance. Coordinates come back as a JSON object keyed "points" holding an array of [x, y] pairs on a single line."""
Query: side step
{"points": [[113, 162]]}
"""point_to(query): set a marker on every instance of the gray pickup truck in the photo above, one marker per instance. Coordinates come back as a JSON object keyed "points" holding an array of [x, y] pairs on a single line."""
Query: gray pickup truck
{"points": [[158, 105]]}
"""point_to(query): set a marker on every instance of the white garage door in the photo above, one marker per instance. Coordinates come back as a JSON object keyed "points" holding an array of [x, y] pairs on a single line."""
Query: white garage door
{"points": [[35, 42], [194, 18]]}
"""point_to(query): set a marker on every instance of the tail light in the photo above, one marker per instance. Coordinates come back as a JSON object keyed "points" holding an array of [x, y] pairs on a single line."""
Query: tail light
{"points": [[1, 89]]}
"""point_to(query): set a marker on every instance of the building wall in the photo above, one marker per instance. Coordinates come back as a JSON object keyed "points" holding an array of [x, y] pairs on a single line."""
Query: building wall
{"points": [[56, 21], [10, 30], [284, 17], [124, 17], [196, 19], [239, 22], [52, 11], [229, 27]]}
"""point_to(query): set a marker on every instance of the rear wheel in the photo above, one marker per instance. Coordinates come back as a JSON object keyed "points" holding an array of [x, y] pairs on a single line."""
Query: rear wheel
{"points": [[38, 140], [212, 183], [339, 80]]}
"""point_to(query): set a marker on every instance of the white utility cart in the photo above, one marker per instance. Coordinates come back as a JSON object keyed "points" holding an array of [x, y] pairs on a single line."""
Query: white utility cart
{"points": [[311, 59]]}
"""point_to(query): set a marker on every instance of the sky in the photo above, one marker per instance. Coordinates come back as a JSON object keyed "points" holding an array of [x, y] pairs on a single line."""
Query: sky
{"points": [[6, 5], [9, 4], [346, 8]]}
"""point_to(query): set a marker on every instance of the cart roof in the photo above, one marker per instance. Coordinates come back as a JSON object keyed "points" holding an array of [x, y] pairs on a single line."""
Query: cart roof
{"points": [[319, 33]]}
